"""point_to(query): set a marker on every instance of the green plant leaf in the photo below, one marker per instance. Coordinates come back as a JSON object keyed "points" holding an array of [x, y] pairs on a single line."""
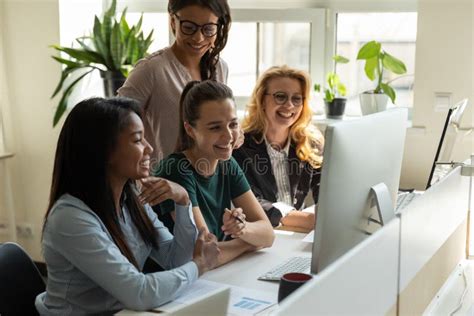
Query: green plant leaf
{"points": [[133, 52], [81, 42], [393, 64], [116, 47], [341, 89], [124, 25], [113, 8], [62, 106], [97, 30], [148, 41], [64, 74], [328, 96], [139, 24], [107, 21], [68, 63], [389, 91], [330, 80], [317, 87], [81, 54], [340, 59], [371, 67], [369, 50]]}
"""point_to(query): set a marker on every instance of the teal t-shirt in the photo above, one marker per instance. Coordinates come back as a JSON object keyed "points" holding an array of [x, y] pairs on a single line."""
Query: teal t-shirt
{"points": [[211, 194]]}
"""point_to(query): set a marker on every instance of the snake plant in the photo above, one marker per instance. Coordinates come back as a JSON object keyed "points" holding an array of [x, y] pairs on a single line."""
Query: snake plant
{"points": [[112, 46]]}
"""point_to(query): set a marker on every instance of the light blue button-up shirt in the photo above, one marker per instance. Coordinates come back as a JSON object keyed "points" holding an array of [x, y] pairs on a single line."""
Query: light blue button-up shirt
{"points": [[88, 274]]}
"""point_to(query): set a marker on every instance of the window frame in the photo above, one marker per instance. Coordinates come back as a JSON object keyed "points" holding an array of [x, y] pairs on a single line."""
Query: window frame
{"points": [[331, 31], [315, 16], [322, 16]]}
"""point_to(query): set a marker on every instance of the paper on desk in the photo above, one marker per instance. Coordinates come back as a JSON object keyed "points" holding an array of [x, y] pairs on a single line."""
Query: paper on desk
{"points": [[309, 237], [198, 289], [249, 302], [242, 301]]}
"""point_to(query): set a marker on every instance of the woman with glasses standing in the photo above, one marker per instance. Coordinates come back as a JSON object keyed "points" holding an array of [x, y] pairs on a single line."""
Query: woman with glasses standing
{"points": [[201, 28], [282, 152]]}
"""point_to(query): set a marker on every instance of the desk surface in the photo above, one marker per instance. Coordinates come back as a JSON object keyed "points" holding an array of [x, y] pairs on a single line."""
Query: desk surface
{"points": [[245, 270]]}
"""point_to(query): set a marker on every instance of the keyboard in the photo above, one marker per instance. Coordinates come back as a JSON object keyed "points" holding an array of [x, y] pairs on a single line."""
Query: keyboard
{"points": [[294, 264], [405, 198]]}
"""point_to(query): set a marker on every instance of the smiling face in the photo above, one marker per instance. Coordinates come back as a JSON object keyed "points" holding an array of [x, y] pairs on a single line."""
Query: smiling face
{"points": [[285, 115], [196, 44], [216, 130], [130, 158]]}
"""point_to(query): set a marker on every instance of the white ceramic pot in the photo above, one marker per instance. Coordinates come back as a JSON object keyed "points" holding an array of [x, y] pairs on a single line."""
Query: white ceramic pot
{"points": [[372, 102]]}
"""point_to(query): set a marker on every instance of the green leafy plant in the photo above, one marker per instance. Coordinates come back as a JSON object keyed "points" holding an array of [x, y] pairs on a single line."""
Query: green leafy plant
{"points": [[113, 46], [335, 88], [376, 61]]}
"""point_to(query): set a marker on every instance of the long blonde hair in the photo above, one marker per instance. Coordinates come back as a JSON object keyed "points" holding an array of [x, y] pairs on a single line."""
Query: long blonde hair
{"points": [[308, 139]]}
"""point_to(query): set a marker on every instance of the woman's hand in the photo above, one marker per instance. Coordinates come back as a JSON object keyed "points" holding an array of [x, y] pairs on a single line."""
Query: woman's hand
{"points": [[233, 222], [206, 251], [156, 190], [298, 219]]}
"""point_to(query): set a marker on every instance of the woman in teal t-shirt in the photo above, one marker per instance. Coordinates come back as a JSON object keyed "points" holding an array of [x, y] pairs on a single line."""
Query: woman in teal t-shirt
{"points": [[204, 166]]}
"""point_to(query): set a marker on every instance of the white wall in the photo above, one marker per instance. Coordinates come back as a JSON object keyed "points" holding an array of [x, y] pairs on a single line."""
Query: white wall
{"points": [[444, 63], [28, 27]]}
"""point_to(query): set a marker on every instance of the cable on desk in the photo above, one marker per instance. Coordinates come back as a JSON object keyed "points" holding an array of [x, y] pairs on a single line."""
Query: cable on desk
{"points": [[461, 300]]}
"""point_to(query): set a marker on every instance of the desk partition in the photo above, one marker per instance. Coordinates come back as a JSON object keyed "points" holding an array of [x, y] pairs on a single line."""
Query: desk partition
{"points": [[433, 240], [364, 281], [395, 271]]}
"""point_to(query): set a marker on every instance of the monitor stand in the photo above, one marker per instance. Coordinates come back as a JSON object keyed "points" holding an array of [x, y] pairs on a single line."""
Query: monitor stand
{"points": [[384, 204]]}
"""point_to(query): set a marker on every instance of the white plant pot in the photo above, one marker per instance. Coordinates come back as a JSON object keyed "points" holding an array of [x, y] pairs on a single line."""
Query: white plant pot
{"points": [[373, 102]]}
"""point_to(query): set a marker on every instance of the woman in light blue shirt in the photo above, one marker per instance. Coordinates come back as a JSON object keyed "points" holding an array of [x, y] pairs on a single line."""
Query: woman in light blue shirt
{"points": [[96, 234]]}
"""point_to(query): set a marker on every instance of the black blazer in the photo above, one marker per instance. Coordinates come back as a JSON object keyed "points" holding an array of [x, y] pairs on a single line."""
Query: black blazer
{"points": [[253, 158]]}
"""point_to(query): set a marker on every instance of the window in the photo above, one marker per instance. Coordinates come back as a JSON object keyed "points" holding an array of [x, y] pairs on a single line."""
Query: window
{"points": [[396, 32], [254, 47], [156, 21], [259, 39]]}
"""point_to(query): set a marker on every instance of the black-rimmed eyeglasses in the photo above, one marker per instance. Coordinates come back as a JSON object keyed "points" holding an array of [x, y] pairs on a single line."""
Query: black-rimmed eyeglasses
{"points": [[281, 98], [189, 27]]}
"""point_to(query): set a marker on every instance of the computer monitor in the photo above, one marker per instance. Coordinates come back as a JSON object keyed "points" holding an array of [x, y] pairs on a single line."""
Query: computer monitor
{"points": [[446, 143], [359, 155]]}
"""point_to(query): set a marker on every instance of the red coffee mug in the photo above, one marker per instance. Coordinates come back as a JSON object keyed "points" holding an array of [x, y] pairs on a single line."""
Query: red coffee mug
{"points": [[289, 282]]}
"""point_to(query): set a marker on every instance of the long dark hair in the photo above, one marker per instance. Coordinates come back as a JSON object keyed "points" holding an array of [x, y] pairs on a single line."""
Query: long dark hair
{"points": [[192, 97], [221, 9], [85, 143]]}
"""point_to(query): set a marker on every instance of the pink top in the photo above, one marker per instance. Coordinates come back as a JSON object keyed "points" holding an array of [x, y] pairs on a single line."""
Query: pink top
{"points": [[157, 82]]}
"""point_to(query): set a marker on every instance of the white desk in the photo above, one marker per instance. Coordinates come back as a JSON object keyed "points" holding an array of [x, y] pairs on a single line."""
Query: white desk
{"points": [[245, 270], [432, 241]]}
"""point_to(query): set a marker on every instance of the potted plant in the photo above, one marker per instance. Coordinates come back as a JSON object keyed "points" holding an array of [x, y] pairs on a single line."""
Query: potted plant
{"points": [[376, 61], [335, 90], [112, 48]]}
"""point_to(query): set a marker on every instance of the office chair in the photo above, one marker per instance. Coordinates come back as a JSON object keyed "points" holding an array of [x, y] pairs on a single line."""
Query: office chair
{"points": [[20, 281]]}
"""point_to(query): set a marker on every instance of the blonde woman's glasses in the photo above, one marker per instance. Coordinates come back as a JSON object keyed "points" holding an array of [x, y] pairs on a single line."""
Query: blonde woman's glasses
{"points": [[281, 98]]}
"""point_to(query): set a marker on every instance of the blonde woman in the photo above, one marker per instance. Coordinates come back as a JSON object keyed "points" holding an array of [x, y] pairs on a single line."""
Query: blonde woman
{"points": [[282, 152]]}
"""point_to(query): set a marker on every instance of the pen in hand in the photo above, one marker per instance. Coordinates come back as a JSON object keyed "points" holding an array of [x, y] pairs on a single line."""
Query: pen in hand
{"points": [[236, 217]]}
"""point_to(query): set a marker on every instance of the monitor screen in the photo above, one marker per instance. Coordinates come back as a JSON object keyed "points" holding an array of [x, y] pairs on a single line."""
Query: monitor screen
{"points": [[358, 155], [446, 143]]}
